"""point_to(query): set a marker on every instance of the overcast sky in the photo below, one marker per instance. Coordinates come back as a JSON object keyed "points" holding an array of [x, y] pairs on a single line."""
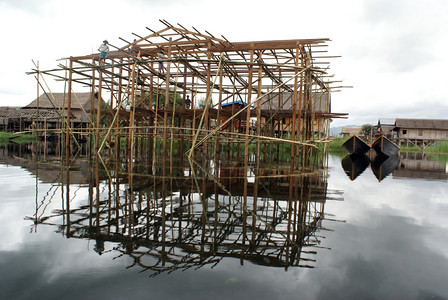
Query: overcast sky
{"points": [[393, 51]]}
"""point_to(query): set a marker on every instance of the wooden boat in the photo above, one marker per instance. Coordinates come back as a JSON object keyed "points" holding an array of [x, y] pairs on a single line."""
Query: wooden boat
{"points": [[383, 165], [354, 165], [355, 145], [382, 145]]}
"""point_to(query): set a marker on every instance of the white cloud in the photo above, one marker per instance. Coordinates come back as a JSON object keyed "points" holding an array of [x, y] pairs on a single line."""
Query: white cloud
{"points": [[392, 51]]}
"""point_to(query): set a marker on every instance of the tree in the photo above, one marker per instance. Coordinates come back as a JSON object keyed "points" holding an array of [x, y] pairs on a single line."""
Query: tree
{"points": [[200, 103], [366, 130], [160, 99]]}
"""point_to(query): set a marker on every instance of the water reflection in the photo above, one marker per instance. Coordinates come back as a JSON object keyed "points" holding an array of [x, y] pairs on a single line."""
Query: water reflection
{"points": [[168, 214], [383, 165], [420, 166], [355, 164], [403, 165]]}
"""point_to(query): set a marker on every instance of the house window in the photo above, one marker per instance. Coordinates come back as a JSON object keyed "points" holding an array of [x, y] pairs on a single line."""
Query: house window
{"points": [[420, 132], [405, 131]]}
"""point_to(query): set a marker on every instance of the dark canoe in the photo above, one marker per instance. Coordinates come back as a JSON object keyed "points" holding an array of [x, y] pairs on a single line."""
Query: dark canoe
{"points": [[355, 145], [383, 145], [354, 165], [383, 165]]}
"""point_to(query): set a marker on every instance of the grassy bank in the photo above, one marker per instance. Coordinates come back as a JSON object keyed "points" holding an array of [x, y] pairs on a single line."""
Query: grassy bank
{"points": [[6, 137], [336, 145], [441, 147]]}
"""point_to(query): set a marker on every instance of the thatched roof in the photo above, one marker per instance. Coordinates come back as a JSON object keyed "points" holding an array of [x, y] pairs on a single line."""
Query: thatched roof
{"points": [[421, 124], [350, 130], [49, 114], [320, 101], [59, 100], [7, 111]]}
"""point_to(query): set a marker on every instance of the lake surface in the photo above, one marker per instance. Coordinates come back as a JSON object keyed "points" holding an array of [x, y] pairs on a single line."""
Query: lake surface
{"points": [[213, 230]]}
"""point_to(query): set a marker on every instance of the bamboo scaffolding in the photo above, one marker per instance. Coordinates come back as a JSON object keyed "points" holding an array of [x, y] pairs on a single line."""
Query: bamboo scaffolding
{"points": [[282, 86]]}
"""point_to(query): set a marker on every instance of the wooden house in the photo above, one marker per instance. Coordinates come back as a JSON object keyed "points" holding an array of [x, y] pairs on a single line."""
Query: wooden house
{"points": [[49, 112], [238, 123], [314, 106], [386, 127], [421, 132], [6, 113], [349, 131]]}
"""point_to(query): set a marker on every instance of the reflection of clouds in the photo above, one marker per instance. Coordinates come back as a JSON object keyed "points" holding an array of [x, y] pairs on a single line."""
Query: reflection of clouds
{"points": [[384, 259], [417, 199], [392, 247], [397, 231], [16, 198], [18, 201]]}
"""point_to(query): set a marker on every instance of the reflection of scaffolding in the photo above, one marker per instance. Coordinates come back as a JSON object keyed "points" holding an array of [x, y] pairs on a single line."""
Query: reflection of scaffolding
{"points": [[283, 85], [187, 217]]}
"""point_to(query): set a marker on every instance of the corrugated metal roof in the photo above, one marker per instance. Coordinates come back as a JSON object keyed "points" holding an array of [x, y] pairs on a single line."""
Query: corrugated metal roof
{"points": [[386, 121], [239, 102], [422, 123]]}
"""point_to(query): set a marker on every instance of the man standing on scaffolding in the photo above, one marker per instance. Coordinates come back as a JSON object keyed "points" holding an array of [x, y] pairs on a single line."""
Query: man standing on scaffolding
{"points": [[104, 49], [162, 68]]}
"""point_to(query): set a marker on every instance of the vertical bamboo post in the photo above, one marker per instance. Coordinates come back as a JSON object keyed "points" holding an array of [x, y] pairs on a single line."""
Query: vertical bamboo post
{"points": [[69, 105], [246, 141], [151, 116], [132, 77], [294, 108], [167, 95], [67, 195], [119, 108], [208, 98], [38, 96], [218, 117], [98, 110], [257, 157], [111, 89], [92, 109]]}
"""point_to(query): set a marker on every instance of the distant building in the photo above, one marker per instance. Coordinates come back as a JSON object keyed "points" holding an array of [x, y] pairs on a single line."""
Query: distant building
{"points": [[238, 123], [319, 103], [349, 131], [417, 165], [386, 127], [48, 111], [6, 113], [420, 132]]}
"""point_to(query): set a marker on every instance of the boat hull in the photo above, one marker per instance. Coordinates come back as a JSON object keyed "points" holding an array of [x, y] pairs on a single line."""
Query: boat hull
{"points": [[383, 165], [354, 165], [355, 145], [383, 145]]}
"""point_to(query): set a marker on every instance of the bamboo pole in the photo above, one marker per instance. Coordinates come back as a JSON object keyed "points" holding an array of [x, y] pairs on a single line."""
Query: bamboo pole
{"points": [[294, 111], [98, 111], [69, 105], [166, 105]]}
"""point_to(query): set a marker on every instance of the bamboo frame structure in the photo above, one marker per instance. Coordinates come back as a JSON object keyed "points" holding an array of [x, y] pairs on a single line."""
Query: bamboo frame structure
{"points": [[283, 86], [178, 220]]}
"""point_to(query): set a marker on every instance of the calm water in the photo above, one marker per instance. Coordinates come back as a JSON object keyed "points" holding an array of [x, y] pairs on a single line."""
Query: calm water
{"points": [[100, 232]]}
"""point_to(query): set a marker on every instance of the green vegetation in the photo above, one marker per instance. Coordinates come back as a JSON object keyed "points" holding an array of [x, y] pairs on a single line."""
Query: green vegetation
{"points": [[158, 99], [6, 137], [366, 130], [441, 147], [336, 145]]}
